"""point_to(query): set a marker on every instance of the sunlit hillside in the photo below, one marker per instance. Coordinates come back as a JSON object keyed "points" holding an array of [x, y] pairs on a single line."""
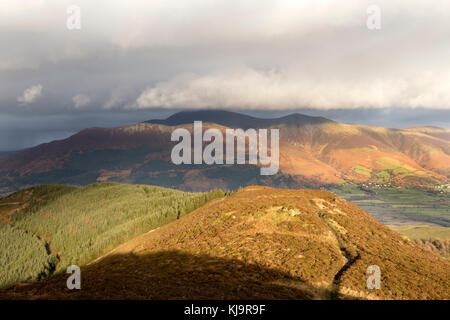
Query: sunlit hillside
{"points": [[260, 243]]}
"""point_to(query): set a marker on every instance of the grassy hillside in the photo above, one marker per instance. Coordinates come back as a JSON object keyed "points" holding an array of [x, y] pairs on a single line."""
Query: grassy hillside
{"points": [[46, 228], [260, 243]]}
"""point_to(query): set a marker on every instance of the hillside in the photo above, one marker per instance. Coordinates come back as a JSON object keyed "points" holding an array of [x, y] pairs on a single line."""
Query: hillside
{"points": [[260, 243], [313, 152], [46, 228], [438, 246]]}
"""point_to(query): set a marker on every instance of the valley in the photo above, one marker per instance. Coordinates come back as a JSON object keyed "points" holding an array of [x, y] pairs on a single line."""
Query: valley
{"points": [[421, 215], [400, 206]]}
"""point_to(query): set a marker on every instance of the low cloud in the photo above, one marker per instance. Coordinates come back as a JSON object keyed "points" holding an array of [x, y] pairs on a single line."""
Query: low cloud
{"points": [[247, 88], [119, 98], [30, 95], [80, 100]]}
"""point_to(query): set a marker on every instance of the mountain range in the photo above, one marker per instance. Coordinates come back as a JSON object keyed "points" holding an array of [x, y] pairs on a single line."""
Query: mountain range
{"points": [[314, 151]]}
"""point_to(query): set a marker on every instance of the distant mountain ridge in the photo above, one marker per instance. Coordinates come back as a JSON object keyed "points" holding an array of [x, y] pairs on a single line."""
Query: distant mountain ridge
{"points": [[237, 120], [314, 151]]}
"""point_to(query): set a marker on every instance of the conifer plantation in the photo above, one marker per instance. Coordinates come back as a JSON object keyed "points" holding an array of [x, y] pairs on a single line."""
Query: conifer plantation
{"points": [[46, 228]]}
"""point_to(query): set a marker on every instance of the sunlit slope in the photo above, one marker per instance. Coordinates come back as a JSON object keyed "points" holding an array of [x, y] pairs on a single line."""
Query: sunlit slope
{"points": [[261, 243], [313, 152], [46, 228], [336, 152]]}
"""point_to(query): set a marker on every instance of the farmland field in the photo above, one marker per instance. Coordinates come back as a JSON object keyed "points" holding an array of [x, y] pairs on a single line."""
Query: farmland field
{"points": [[417, 232]]}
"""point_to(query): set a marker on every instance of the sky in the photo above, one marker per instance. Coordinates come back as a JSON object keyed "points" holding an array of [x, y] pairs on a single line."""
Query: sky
{"points": [[112, 63]]}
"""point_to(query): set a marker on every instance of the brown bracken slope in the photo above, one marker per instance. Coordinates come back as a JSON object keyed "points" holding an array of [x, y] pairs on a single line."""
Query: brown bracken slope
{"points": [[313, 151], [259, 243]]}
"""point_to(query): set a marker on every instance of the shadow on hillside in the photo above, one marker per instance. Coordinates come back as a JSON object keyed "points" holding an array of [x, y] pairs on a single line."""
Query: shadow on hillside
{"points": [[171, 275]]}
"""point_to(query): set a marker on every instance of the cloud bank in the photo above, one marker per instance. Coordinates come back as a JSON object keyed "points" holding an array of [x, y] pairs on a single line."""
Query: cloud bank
{"points": [[249, 54], [248, 88]]}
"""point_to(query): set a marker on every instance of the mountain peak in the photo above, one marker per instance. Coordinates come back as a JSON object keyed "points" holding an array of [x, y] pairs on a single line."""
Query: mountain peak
{"points": [[237, 120]]}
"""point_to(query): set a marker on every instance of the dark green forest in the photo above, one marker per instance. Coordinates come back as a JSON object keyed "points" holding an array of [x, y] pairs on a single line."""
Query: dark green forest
{"points": [[62, 225]]}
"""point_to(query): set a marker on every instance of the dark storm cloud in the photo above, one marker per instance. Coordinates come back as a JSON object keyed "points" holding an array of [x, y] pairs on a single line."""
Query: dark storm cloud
{"points": [[18, 132]]}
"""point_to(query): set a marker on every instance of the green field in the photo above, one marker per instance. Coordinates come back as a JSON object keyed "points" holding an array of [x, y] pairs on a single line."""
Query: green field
{"points": [[44, 229], [423, 232]]}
